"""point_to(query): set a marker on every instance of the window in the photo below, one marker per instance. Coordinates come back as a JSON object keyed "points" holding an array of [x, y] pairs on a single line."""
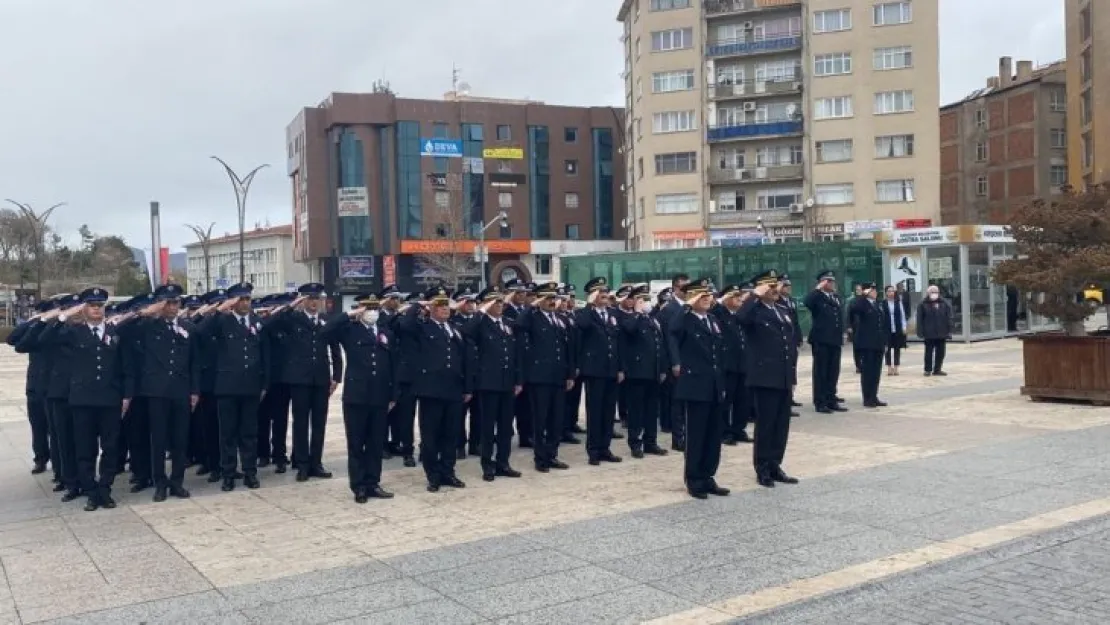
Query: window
{"points": [[730, 201], [832, 21], [832, 64], [676, 203], [835, 194], [981, 152], [832, 108], [473, 132], [1058, 137], [543, 264], [1058, 101], [730, 158], [1058, 175], [676, 39], [664, 82], [572, 231], [778, 198], [981, 118], [981, 186], [570, 166], [894, 146], [504, 133], [894, 191], [785, 70], [443, 200], [774, 156], [835, 151], [890, 13], [570, 199], [899, 57], [439, 130], [674, 121], [887, 102], [570, 135], [669, 5], [676, 163], [505, 200]]}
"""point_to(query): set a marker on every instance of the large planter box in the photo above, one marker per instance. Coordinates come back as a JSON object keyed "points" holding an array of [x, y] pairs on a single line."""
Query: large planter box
{"points": [[1067, 367]]}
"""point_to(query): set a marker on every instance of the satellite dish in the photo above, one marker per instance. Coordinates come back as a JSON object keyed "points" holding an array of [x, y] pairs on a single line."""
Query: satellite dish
{"points": [[464, 88], [810, 202], [791, 109]]}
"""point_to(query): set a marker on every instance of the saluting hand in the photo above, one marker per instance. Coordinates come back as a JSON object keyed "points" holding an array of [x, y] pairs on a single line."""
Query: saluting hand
{"points": [[125, 405]]}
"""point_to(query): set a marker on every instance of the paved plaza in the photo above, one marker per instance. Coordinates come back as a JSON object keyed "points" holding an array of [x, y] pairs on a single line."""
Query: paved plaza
{"points": [[962, 502]]}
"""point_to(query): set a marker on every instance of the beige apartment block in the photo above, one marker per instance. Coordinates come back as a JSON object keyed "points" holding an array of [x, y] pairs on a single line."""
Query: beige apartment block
{"points": [[1088, 88], [811, 120]]}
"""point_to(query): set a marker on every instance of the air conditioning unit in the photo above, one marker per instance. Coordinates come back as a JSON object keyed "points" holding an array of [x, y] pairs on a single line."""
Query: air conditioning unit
{"points": [[796, 86], [712, 206], [796, 209], [749, 25], [749, 106], [744, 174], [760, 172]]}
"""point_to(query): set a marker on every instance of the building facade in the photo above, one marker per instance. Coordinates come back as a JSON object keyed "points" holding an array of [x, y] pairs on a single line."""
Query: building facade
{"points": [[1004, 145], [778, 120], [1088, 84], [268, 262], [396, 190]]}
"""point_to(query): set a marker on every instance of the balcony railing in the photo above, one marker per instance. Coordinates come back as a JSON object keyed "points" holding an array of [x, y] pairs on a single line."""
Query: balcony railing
{"points": [[741, 47], [715, 8], [786, 126], [748, 175], [755, 87]]}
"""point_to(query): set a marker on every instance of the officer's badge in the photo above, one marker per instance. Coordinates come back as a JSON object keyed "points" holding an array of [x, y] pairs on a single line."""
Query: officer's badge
{"points": [[383, 339], [613, 321], [107, 339]]}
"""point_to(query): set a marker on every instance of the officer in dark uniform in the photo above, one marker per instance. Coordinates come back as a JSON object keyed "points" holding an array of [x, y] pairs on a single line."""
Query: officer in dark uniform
{"points": [[599, 361], [167, 374], [369, 391], [697, 356], [737, 410], [402, 418], [870, 338], [206, 349], [573, 401], [43, 439], [644, 352], [242, 376], [496, 382], [463, 313], [310, 374], [190, 304], [770, 337], [517, 293], [440, 385], [134, 442], [826, 336], [786, 301], [548, 367], [675, 415]]}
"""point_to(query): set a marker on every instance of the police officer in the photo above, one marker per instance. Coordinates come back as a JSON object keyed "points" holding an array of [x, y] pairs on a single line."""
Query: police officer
{"points": [[402, 417], [573, 400], [242, 360], [786, 301], [871, 334], [599, 361], [673, 309], [369, 392], [697, 357], [273, 409], [826, 336], [737, 409], [463, 313], [312, 376], [548, 369], [190, 304], [769, 335], [134, 442], [517, 294], [644, 352], [206, 349], [167, 374], [496, 382], [440, 385], [43, 439]]}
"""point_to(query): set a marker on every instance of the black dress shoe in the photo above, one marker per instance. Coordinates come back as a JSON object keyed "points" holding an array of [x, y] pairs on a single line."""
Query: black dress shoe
{"points": [[655, 450], [577, 429], [203, 470], [506, 471], [228, 485], [214, 476], [377, 492], [410, 461], [718, 491], [823, 410], [92, 504], [765, 481], [617, 435], [608, 456], [940, 373], [779, 476], [697, 494], [179, 492], [433, 487], [70, 495], [107, 502], [319, 472], [795, 404], [263, 462], [454, 482], [251, 481], [460, 453], [40, 467], [839, 399], [637, 453], [728, 440], [141, 485], [160, 494], [302, 474], [238, 475], [594, 462], [281, 467], [794, 414], [360, 497], [387, 454], [542, 467], [838, 408], [487, 476], [879, 403], [558, 464], [525, 443], [59, 488], [570, 439]]}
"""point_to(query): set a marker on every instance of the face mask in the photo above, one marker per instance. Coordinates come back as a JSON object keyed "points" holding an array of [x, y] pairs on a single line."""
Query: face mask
{"points": [[934, 296], [646, 307], [370, 317]]}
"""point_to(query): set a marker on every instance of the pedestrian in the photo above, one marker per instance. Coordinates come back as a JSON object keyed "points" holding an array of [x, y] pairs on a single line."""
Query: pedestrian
{"points": [[517, 298], [566, 310], [934, 326], [872, 335], [826, 338], [897, 313], [401, 439], [857, 294]]}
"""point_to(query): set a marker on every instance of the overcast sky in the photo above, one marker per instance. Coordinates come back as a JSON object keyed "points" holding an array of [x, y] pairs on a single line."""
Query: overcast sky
{"points": [[108, 105]]}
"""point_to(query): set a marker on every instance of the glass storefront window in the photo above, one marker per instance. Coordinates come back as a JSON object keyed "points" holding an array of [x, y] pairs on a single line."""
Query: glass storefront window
{"points": [[979, 289], [943, 270]]}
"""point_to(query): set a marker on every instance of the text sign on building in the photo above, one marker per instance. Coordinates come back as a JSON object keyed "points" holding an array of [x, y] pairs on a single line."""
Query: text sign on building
{"points": [[868, 225], [905, 224], [450, 148], [920, 236], [513, 154], [828, 229], [356, 267], [353, 201], [786, 231]]}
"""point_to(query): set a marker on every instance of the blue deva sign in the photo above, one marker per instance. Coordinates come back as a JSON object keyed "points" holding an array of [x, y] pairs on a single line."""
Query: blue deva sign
{"points": [[451, 148]]}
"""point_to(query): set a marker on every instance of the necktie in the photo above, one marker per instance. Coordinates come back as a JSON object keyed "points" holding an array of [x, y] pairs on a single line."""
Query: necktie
{"points": [[447, 330], [243, 322], [96, 332], [708, 325]]}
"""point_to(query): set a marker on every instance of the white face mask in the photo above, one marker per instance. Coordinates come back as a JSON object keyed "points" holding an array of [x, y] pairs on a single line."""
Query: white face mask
{"points": [[934, 296], [370, 317], [646, 307]]}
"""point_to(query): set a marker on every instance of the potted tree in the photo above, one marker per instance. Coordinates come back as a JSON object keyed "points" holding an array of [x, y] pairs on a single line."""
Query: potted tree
{"points": [[1062, 246]]}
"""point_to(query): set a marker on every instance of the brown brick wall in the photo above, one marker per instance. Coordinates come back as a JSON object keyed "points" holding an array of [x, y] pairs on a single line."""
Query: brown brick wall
{"points": [[1020, 144], [950, 191], [950, 125], [1022, 181], [996, 110], [996, 150], [996, 181], [949, 159], [1021, 108]]}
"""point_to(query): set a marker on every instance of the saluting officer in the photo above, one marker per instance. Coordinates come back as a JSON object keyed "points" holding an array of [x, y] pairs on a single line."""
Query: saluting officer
{"points": [[369, 392], [548, 367], [496, 382], [770, 336], [463, 313], [573, 401], [43, 440], [439, 384], [517, 295], [190, 304], [242, 363], [674, 415], [870, 338], [643, 351], [134, 441], [599, 361], [737, 409], [826, 336], [402, 418], [167, 374], [206, 413], [786, 301]]}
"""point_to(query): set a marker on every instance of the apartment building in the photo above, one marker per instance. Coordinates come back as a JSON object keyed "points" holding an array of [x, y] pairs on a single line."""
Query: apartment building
{"points": [[755, 121], [267, 262], [1004, 145], [1088, 85]]}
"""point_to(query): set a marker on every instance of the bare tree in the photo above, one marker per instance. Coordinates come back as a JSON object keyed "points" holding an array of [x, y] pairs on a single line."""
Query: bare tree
{"points": [[204, 236], [38, 222], [453, 258]]}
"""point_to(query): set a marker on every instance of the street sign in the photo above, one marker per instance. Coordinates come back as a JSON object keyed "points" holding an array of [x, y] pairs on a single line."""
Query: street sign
{"points": [[450, 148]]}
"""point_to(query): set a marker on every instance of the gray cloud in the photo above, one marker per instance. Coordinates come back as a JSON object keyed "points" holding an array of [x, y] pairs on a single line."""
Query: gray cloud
{"points": [[108, 105]]}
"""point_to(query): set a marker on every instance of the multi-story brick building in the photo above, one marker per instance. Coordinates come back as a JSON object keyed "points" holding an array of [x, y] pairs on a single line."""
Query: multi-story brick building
{"points": [[1004, 145], [1088, 79]]}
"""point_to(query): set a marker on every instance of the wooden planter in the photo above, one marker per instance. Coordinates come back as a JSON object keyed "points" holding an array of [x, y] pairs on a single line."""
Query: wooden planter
{"points": [[1067, 367]]}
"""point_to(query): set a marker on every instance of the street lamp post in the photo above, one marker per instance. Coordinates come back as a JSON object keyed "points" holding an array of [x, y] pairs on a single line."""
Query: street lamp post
{"points": [[38, 225], [503, 218], [204, 235], [241, 185]]}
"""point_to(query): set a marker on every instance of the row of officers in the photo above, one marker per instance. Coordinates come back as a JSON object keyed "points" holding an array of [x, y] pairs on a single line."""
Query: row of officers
{"points": [[210, 380]]}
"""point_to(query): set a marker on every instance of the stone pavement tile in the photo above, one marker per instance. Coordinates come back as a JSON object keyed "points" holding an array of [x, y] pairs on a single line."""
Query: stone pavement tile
{"points": [[837, 553], [902, 426], [680, 560], [1059, 473], [203, 607], [1039, 500], [956, 522], [438, 612], [634, 542], [307, 585], [976, 464], [458, 555], [593, 528], [748, 513], [541, 592], [706, 586], [630, 605], [499, 572], [871, 505], [343, 604], [797, 533], [953, 488]]}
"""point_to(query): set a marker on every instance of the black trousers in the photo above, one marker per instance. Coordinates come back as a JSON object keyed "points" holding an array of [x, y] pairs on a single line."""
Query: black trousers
{"points": [[871, 371], [601, 407], [665, 392], [365, 426], [522, 408], [934, 354], [96, 433], [123, 445], [703, 443], [208, 416], [238, 416], [893, 356], [857, 356], [622, 403], [52, 435], [67, 445], [495, 409], [169, 431], [738, 404], [310, 419], [470, 435], [40, 429], [643, 412], [548, 414], [138, 438], [571, 404], [402, 420], [194, 452], [273, 424], [678, 417], [439, 432], [826, 374], [772, 428]]}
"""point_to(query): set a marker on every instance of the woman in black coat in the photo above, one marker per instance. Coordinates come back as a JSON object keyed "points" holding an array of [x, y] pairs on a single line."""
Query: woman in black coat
{"points": [[934, 325], [897, 314]]}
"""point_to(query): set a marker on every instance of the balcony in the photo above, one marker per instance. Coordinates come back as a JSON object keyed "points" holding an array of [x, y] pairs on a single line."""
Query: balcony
{"points": [[752, 217], [755, 88], [749, 175], [744, 47], [775, 128], [718, 8]]}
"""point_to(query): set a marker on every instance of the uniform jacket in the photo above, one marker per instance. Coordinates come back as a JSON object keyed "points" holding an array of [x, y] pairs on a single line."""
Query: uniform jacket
{"points": [[643, 347], [372, 363], [96, 366], [407, 346], [496, 357], [872, 330], [163, 359], [769, 340], [307, 357], [242, 355], [670, 311], [38, 360], [697, 348], [439, 361], [598, 343], [733, 335], [544, 348], [827, 315], [56, 377]]}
